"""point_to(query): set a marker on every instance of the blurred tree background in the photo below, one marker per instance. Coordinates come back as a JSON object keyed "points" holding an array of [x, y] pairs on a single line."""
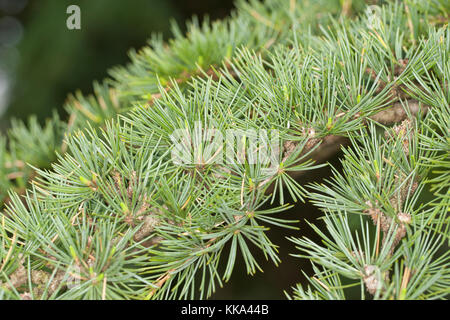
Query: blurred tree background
{"points": [[41, 61]]}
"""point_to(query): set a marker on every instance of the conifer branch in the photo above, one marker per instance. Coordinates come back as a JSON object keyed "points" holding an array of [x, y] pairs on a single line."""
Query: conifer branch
{"points": [[138, 202]]}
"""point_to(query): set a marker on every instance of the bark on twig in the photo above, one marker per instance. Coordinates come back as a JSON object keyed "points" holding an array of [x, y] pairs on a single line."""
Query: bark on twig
{"points": [[332, 144], [397, 112]]}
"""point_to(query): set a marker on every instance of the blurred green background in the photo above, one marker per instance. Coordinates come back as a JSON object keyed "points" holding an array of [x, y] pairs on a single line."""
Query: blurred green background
{"points": [[41, 61]]}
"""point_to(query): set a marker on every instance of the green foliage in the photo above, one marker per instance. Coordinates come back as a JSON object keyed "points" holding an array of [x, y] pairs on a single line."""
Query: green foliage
{"points": [[116, 218]]}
